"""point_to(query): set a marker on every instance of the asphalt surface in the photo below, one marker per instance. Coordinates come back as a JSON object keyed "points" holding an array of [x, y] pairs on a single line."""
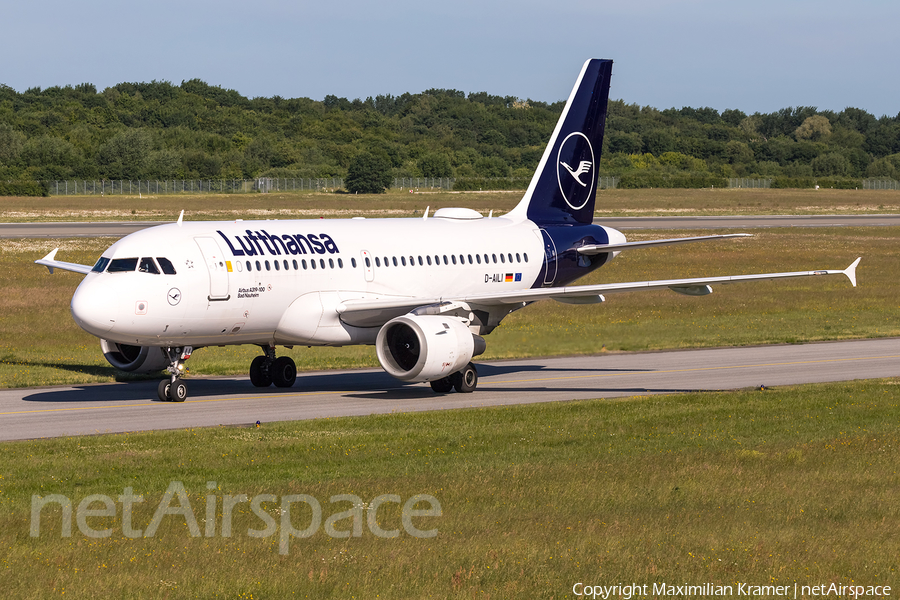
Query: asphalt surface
{"points": [[124, 407], [119, 229]]}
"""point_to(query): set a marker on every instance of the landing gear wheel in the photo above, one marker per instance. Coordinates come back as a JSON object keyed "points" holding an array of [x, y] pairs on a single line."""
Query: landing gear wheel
{"points": [[466, 380], [178, 392], [162, 391], [283, 372], [260, 376], [442, 386]]}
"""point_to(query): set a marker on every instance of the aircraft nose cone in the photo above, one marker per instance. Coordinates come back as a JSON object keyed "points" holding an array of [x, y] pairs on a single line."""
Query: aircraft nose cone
{"points": [[93, 308]]}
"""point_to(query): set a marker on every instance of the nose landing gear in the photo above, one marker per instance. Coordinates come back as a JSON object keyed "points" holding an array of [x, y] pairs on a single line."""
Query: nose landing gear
{"points": [[173, 389]]}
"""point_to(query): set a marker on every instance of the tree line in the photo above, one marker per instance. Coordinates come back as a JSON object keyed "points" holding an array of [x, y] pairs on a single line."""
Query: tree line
{"points": [[194, 130]]}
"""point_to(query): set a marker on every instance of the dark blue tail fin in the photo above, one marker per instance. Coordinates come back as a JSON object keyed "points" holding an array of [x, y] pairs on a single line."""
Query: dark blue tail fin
{"points": [[564, 186]]}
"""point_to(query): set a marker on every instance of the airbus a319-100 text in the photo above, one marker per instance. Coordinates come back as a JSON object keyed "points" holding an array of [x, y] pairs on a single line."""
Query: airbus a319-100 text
{"points": [[424, 291]]}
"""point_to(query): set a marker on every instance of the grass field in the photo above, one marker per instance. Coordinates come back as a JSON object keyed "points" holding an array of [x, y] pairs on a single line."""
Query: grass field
{"points": [[793, 485], [399, 203], [788, 485], [41, 345]]}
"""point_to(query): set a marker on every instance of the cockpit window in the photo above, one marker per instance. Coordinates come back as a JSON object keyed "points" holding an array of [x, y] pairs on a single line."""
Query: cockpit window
{"points": [[121, 265], [148, 266], [166, 265], [101, 265]]}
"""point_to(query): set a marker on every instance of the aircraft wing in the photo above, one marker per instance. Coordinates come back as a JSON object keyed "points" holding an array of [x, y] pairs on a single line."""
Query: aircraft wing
{"points": [[51, 263], [371, 313], [601, 248]]}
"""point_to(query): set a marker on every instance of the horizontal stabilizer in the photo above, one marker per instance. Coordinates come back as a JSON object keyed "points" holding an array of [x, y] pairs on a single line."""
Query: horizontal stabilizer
{"points": [[603, 248]]}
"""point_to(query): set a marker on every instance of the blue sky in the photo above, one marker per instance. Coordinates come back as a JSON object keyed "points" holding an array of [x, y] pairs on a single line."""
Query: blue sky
{"points": [[754, 56]]}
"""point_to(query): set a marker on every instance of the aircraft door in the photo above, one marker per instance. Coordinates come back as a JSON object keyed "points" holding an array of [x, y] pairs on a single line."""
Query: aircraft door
{"points": [[549, 258], [368, 265], [216, 266]]}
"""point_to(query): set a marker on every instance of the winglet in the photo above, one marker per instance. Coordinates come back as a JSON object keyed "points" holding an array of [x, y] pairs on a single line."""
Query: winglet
{"points": [[50, 258], [181, 217], [850, 271]]}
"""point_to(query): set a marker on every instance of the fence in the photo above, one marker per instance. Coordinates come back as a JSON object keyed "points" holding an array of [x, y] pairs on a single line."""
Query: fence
{"points": [[880, 184], [750, 183], [80, 187]]}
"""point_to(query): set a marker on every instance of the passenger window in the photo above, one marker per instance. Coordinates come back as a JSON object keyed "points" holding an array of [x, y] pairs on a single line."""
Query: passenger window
{"points": [[478, 258], [494, 256], [312, 263], [340, 264], [525, 256], [331, 263], [420, 262], [353, 262], [377, 262], [368, 262], [322, 263], [249, 267], [395, 261], [428, 260], [445, 260], [258, 267], [403, 260], [286, 267], [295, 264], [268, 268], [122, 265], [453, 258], [518, 258], [101, 264], [509, 257], [277, 266], [148, 266], [303, 262], [502, 259], [470, 259]]}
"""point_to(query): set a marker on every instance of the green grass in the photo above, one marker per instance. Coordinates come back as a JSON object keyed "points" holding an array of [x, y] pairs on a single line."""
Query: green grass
{"points": [[653, 202], [787, 485], [41, 345]]}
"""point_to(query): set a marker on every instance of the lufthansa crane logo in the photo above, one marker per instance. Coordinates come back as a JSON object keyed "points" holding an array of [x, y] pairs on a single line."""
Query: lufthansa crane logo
{"points": [[575, 169]]}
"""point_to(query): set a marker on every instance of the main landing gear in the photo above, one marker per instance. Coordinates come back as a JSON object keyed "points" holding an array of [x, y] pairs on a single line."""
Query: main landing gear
{"points": [[266, 370], [464, 381], [173, 389]]}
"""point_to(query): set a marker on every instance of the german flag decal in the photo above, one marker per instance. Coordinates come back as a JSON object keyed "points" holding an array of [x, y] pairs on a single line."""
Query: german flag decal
{"points": [[509, 277]]}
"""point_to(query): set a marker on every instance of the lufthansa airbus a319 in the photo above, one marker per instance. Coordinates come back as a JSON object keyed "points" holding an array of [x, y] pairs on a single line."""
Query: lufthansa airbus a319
{"points": [[424, 290]]}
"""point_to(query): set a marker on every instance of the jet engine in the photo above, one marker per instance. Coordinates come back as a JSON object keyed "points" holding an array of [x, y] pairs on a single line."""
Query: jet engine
{"points": [[135, 359], [426, 347]]}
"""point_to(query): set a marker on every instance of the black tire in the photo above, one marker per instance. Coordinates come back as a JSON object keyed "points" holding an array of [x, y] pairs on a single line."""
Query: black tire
{"points": [[178, 392], [259, 372], [284, 372], [466, 380], [162, 390], [442, 386]]}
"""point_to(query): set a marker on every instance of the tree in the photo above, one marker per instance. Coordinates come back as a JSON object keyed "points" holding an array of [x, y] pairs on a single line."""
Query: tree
{"points": [[435, 165], [368, 174], [815, 129]]}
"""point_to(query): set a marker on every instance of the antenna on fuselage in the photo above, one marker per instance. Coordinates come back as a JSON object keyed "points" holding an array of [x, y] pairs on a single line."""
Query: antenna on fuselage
{"points": [[180, 217], [425, 216]]}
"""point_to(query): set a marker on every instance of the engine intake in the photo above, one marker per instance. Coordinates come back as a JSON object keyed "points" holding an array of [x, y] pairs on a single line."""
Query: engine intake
{"points": [[134, 359], [425, 347]]}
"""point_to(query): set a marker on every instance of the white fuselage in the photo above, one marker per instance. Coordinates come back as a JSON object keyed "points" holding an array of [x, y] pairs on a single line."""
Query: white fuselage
{"points": [[281, 282]]}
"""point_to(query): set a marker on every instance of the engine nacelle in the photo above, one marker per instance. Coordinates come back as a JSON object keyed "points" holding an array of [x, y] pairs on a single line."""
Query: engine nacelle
{"points": [[426, 347], [134, 359]]}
